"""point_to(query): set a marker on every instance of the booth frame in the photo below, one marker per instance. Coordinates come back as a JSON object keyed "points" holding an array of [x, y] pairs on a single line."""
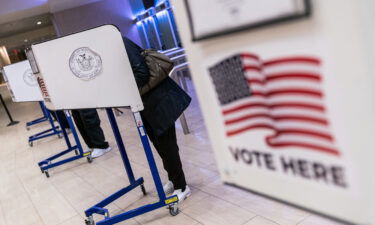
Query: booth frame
{"points": [[47, 164], [39, 120], [171, 202], [54, 130]]}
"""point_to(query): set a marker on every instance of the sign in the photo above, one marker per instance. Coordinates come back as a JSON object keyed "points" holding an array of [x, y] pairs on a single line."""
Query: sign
{"points": [[289, 109], [86, 72], [21, 82]]}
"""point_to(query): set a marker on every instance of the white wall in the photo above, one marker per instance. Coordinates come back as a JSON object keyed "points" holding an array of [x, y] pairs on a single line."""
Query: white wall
{"points": [[117, 12]]}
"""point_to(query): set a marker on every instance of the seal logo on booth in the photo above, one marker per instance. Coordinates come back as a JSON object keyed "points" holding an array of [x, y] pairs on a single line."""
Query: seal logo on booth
{"points": [[85, 63], [30, 78]]}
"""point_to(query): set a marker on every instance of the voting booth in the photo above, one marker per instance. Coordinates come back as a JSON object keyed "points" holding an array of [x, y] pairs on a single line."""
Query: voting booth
{"points": [[23, 87], [91, 69], [22, 83]]}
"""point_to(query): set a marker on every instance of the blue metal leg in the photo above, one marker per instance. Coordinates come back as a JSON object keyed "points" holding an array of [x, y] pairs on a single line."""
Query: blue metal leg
{"points": [[41, 119], [163, 200], [74, 131], [54, 130], [47, 163], [120, 145], [149, 156], [63, 129]]}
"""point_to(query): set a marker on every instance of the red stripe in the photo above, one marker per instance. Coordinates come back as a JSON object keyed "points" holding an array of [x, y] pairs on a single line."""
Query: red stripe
{"points": [[301, 118], [274, 106], [305, 76], [304, 133], [255, 81], [297, 105], [305, 145], [283, 144], [247, 117], [252, 68], [248, 55], [250, 127], [244, 106], [292, 60], [288, 92]]}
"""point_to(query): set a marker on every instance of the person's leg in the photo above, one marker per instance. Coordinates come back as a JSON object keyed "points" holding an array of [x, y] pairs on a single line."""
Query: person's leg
{"points": [[82, 130], [166, 146], [62, 119], [91, 123]]}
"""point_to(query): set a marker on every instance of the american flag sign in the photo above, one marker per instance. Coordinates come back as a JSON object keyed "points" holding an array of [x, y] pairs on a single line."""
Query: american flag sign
{"points": [[283, 95]]}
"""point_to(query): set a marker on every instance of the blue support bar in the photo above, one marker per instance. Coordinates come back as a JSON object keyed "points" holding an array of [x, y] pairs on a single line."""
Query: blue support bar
{"points": [[113, 197], [163, 200], [150, 157], [130, 214], [133, 213], [54, 130], [41, 119], [47, 163], [74, 132], [120, 144]]}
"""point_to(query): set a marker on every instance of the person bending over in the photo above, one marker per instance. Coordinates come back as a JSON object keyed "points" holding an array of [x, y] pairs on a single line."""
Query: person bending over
{"points": [[162, 107]]}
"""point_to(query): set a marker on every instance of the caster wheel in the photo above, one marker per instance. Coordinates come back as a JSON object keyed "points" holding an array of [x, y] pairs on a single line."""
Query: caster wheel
{"points": [[89, 159], [76, 152], [174, 210], [41, 170], [27, 128], [89, 221], [46, 173], [31, 144], [143, 190], [59, 136]]}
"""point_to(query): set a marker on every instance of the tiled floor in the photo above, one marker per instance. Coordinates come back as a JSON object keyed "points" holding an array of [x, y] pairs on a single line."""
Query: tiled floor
{"points": [[27, 197]]}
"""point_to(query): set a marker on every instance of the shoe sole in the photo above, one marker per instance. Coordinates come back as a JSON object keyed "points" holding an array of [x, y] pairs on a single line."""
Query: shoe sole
{"points": [[108, 150], [97, 156]]}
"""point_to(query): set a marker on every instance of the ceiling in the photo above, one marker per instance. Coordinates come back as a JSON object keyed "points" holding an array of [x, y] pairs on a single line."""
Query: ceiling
{"points": [[12, 10], [25, 25], [18, 19]]}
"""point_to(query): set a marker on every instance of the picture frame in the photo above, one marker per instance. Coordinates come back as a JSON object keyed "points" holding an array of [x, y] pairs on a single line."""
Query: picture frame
{"points": [[213, 18]]}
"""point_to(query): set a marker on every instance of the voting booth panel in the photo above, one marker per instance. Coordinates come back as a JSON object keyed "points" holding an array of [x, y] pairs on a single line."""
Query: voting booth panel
{"points": [[21, 82], [78, 71]]}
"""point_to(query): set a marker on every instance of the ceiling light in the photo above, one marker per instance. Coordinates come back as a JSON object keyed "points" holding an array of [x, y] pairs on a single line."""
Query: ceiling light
{"points": [[25, 40], [39, 22]]}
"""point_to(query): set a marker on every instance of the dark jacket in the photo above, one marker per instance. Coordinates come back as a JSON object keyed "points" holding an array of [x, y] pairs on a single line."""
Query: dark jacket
{"points": [[166, 102]]}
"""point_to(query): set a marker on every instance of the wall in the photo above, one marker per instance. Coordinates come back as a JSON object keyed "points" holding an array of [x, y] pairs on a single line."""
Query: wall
{"points": [[117, 12], [4, 58], [32, 37]]}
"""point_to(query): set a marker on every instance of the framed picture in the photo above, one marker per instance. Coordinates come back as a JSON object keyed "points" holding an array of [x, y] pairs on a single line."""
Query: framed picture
{"points": [[212, 18]]}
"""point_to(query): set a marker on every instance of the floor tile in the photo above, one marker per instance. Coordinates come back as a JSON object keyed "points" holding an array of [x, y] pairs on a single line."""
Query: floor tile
{"points": [[215, 211], [316, 220], [260, 221], [280, 213]]}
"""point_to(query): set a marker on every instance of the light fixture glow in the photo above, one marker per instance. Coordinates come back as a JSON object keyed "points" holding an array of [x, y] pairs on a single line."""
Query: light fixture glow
{"points": [[39, 22]]}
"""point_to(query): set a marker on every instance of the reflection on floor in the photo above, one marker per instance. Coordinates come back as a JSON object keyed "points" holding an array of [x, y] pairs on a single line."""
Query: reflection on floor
{"points": [[27, 197]]}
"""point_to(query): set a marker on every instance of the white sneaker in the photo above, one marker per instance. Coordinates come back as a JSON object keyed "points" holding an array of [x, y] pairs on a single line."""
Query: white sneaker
{"points": [[168, 188], [182, 195], [97, 152]]}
